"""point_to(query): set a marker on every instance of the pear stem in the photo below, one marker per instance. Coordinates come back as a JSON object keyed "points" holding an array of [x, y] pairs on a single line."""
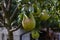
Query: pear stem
{"points": [[25, 15]]}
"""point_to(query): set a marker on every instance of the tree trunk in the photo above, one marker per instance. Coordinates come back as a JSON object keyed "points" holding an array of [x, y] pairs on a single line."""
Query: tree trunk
{"points": [[47, 33], [10, 35]]}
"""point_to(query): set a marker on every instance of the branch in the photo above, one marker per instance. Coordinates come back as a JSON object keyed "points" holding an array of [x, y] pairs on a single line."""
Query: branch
{"points": [[14, 29], [14, 11], [2, 6], [9, 5], [1, 19], [1, 22]]}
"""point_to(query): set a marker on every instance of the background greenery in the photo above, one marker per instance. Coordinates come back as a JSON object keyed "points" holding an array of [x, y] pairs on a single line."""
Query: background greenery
{"points": [[13, 10]]}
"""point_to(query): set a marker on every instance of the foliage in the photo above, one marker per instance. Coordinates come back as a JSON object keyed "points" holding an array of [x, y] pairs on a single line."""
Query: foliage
{"points": [[13, 11], [37, 7]]}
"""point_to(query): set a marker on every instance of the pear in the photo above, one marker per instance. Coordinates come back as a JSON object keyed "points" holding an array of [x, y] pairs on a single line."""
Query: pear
{"points": [[28, 23], [44, 16], [35, 34]]}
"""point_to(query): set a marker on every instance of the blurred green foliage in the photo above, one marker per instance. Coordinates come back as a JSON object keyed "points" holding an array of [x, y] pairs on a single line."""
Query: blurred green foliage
{"points": [[37, 7]]}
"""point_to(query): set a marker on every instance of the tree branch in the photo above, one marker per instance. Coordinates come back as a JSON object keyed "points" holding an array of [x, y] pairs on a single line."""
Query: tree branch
{"points": [[9, 5], [14, 11], [1, 24], [2, 6], [14, 29], [1, 18]]}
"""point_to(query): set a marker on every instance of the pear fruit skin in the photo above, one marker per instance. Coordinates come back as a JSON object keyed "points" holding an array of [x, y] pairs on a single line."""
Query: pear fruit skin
{"points": [[44, 17], [28, 23], [35, 35]]}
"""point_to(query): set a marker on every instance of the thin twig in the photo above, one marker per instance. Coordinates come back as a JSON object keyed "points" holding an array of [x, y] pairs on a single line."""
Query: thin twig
{"points": [[14, 12], [1, 23], [9, 5], [2, 6], [18, 27]]}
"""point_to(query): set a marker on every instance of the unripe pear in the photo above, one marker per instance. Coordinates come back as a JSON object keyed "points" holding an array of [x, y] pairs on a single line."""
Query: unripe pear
{"points": [[28, 23], [35, 34], [44, 16]]}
